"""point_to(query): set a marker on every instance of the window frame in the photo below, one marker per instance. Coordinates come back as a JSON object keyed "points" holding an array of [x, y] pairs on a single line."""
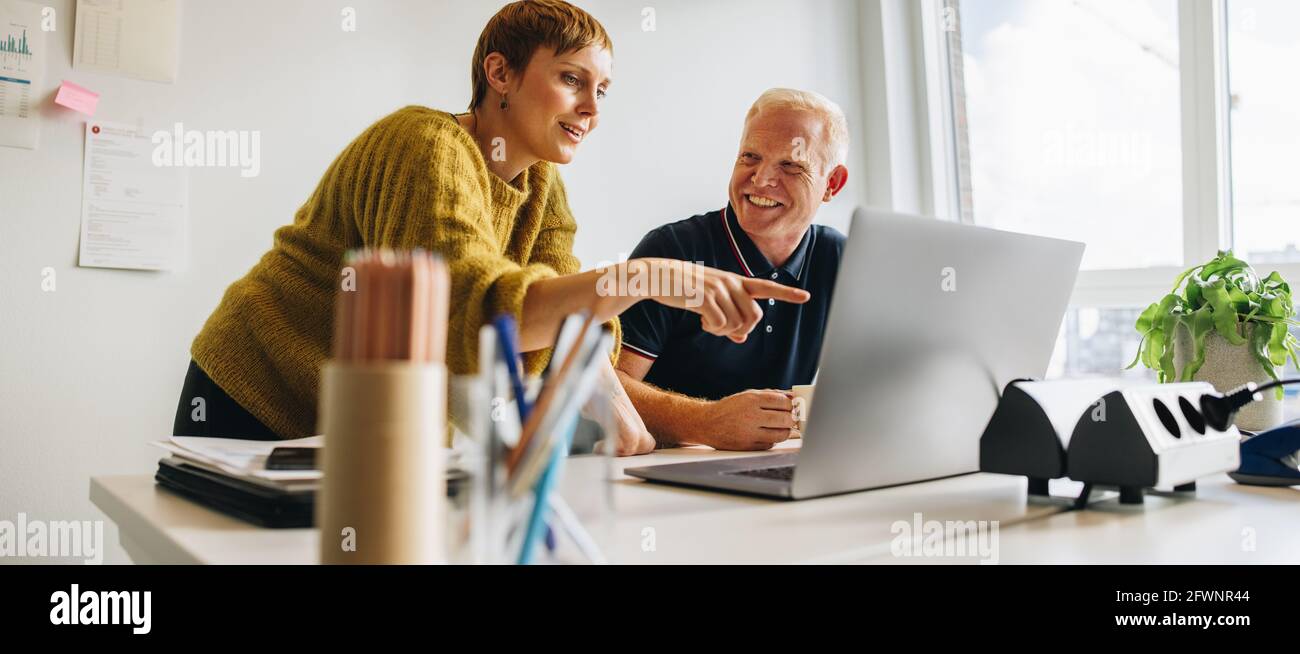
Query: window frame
{"points": [[911, 103]]}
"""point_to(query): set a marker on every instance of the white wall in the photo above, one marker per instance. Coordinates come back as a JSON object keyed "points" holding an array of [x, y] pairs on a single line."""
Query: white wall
{"points": [[91, 372], [672, 121]]}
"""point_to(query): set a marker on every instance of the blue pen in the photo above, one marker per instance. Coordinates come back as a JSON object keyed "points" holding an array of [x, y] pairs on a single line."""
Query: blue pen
{"points": [[507, 334], [536, 519]]}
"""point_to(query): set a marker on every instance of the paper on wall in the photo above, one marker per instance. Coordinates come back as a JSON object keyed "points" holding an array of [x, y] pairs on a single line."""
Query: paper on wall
{"points": [[134, 214], [22, 73], [132, 38]]}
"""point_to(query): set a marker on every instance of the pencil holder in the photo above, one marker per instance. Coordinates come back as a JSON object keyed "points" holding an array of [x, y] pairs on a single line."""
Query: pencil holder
{"points": [[468, 414], [383, 496]]}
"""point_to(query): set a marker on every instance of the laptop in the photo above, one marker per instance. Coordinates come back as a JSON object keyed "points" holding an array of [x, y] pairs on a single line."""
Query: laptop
{"points": [[929, 321]]}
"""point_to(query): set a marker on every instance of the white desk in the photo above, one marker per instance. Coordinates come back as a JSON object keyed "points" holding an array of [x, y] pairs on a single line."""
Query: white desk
{"points": [[689, 526], [1223, 522], [695, 526]]}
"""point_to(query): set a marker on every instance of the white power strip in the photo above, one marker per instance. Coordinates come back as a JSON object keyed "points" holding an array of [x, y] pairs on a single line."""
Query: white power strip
{"points": [[1146, 436], [1107, 433]]}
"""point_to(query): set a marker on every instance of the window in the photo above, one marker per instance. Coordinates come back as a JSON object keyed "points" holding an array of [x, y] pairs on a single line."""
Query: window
{"points": [[1098, 341], [1263, 56], [1155, 131], [1072, 111]]}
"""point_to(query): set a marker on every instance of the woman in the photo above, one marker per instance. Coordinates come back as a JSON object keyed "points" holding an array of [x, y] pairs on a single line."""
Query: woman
{"points": [[481, 189]]}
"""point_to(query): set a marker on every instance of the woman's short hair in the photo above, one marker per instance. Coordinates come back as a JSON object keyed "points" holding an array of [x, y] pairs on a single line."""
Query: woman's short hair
{"points": [[520, 28], [836, 127]]}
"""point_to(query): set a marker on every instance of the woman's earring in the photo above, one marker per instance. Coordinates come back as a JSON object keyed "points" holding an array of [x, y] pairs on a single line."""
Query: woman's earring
{"points": [[504, 104]]}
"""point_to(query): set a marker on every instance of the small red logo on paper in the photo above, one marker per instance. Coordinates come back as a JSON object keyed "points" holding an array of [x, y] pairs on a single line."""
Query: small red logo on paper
{"points": [[94, 129]]}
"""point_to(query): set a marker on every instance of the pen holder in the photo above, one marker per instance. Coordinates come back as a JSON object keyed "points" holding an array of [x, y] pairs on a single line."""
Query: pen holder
{"points": [[383, 496], [468, 414]]}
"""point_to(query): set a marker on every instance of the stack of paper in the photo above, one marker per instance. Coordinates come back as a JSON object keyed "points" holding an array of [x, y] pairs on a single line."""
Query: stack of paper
{"points": [[246, 459], [243, 459]]}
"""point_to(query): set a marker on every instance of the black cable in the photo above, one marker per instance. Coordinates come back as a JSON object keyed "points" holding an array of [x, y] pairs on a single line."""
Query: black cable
{"points": [[1275, 384], [1219, 409]]}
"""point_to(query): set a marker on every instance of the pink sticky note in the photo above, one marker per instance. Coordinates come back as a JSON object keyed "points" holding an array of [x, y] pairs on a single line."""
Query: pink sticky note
{"points": [[77, 98]]}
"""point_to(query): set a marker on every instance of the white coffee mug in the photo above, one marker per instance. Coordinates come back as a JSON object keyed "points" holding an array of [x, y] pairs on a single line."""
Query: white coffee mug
{"points": [[803, 396]]}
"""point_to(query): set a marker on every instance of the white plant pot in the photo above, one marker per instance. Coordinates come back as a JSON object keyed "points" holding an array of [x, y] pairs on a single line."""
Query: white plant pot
{"points": [[1228, 367]]}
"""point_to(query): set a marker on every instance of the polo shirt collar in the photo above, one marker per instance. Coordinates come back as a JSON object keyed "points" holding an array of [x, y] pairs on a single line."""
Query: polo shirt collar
{"points": [[751, 259]]}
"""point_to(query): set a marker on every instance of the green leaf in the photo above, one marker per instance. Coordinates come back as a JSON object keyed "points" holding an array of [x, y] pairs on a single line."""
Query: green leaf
{"points": [[1141, 347], [1277, 343], [1147, 319], [1275, 308], [1179, 282], [1259, 317], [1201, 323], [1225, 316], [1242, 277], [1259, 338], [1155, 348], [1193, 294], [1274, 282], [1240, 303], [1169, 326], [1223, 265]]}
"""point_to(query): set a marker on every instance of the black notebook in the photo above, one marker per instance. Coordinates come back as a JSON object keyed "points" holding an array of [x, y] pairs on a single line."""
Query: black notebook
{"points": [[259, 504], [255, 503]]}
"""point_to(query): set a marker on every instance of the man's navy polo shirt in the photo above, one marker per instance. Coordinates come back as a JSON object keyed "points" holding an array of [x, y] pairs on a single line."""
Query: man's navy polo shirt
{"points": [[784, 347]]}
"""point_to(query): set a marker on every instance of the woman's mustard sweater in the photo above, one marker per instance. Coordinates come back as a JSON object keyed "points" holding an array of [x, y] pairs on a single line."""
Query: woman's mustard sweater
{"points": [[414, 179]]}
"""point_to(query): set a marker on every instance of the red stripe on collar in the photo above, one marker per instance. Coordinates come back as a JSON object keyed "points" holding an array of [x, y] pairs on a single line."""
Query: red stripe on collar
{"points": [[735, 248]]}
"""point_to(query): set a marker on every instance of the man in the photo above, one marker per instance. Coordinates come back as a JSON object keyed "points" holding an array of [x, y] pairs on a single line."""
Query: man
{"points": [[691, 387]]}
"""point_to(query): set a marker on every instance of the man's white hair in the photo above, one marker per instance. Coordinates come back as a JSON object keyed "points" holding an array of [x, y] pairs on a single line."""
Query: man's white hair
{"points": [[836, 126]]}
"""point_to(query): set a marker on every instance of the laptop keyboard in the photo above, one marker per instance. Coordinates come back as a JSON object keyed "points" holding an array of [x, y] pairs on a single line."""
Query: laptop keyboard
{"points": [[780, 473]]}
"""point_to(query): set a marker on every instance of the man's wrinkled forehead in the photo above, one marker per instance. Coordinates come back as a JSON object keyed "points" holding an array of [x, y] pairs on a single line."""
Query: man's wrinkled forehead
{"points": [[781, 128]]}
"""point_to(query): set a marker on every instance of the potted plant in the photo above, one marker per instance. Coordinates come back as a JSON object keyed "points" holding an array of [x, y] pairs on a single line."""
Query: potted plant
{"points": [[1224, 325]]}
